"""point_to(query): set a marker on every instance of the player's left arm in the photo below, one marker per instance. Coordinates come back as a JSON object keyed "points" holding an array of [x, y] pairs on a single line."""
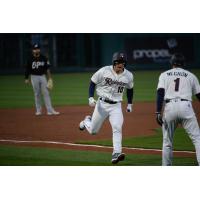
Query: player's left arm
{"points": [[129, 94], [196, 87], [49, 74], [48, 65], [50, 83], [198, 96]]}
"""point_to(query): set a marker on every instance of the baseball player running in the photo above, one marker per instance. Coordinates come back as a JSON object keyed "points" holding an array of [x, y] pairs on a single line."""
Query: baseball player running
{"points": [[110, 82], [175, 88], [38, 66]]}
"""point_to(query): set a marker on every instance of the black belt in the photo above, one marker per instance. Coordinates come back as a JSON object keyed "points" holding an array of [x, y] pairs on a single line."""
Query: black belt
{"points": [[108, 101], [169, 100]]}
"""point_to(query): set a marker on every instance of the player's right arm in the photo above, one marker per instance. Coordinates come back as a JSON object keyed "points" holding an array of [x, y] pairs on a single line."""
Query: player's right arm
{"points": [[96, 78], [91, 89], [92, 101], [27, 72], [160, 93], [160, 99]]}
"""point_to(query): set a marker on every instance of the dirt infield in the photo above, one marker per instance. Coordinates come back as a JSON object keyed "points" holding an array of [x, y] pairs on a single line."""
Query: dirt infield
{"points": [[22, 124]]}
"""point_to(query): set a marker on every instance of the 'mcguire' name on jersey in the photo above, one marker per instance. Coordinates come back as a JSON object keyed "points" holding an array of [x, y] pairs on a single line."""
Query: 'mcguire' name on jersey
{"points": [[177, 74], [109, 81]]}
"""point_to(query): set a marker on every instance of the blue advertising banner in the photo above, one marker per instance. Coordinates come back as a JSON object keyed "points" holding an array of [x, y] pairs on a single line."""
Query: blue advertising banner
{"points": [[143, 50]]}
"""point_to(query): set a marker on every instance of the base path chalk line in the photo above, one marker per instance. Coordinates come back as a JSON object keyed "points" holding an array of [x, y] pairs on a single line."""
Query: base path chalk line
{"points": [[86, 145]]}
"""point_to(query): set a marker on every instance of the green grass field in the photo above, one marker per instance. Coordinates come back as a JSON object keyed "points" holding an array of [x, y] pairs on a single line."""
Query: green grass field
{"points": [[29, 156], [181, 141], [72, 89]]}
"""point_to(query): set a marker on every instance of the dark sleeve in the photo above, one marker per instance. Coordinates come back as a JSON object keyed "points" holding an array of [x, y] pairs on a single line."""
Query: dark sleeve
{"points": [[160, 99], [27, 69], [91, 89], [47, 63], [129, 94], [198, 96]]}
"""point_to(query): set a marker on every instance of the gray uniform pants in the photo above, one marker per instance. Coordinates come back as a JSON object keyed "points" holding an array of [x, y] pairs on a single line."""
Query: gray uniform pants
{"points": [[176, 112], [39, 84]]}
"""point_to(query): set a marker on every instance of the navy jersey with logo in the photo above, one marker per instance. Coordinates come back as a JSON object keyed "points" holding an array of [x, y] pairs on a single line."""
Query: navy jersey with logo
{"points": [[37, 66]]}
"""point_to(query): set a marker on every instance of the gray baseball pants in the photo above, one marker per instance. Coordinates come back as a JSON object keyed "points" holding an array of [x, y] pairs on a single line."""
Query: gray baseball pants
{"points": [[39, 83]]}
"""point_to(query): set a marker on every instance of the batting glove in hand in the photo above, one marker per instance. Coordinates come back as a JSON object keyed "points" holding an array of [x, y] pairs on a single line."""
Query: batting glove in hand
{"points": [[92, 102], [129, 108], [159, 118]]}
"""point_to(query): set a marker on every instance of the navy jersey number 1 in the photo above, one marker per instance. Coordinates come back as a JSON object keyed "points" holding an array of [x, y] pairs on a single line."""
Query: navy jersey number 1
{"points": [[177, 81]]}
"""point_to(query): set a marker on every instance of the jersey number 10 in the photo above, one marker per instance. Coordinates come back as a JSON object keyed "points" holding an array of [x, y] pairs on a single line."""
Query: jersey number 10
{"points": [[120, 89], [177, 81]]}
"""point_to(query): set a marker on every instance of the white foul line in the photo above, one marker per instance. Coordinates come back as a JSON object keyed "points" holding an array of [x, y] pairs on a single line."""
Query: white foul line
{"points": [[86, 145]]}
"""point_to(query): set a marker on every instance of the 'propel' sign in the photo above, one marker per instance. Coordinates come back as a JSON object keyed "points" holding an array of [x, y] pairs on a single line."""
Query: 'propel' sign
{"points": [[149, 50], [151, 53]]}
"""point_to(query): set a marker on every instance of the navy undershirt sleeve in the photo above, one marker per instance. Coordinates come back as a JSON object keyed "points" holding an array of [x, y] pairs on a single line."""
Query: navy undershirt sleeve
{"points": [[129, 94], [91, 89], [198, 96], [160, 99]]}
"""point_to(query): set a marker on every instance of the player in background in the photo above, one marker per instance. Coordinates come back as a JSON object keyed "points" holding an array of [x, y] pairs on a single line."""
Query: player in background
{"points": [[175, 88], [110, 82], [37, 68]]}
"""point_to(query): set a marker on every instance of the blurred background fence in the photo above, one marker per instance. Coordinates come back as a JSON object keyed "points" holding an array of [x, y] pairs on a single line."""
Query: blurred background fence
{"points": [[77, 52]]}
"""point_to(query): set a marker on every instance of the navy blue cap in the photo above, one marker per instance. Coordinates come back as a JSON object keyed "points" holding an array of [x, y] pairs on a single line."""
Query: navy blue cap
{"points": [[36, 46]]}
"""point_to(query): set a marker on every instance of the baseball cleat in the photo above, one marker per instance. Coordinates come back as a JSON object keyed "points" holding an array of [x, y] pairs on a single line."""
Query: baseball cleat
{"points": [[38, 113], [53, 113], [116, 157], [81, 126]]}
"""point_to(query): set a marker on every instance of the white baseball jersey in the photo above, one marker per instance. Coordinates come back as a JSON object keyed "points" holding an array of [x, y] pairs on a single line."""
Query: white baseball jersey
{"points": [[179, 83], [110, 85]]}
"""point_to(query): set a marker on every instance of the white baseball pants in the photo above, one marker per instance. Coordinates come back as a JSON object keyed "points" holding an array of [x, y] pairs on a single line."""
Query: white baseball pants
{"points": [[101, 112], [175, 112]]}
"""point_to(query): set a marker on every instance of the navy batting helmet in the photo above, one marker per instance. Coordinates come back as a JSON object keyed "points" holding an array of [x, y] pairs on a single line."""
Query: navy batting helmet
{"points": [[119, 57], [177, 59]]}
